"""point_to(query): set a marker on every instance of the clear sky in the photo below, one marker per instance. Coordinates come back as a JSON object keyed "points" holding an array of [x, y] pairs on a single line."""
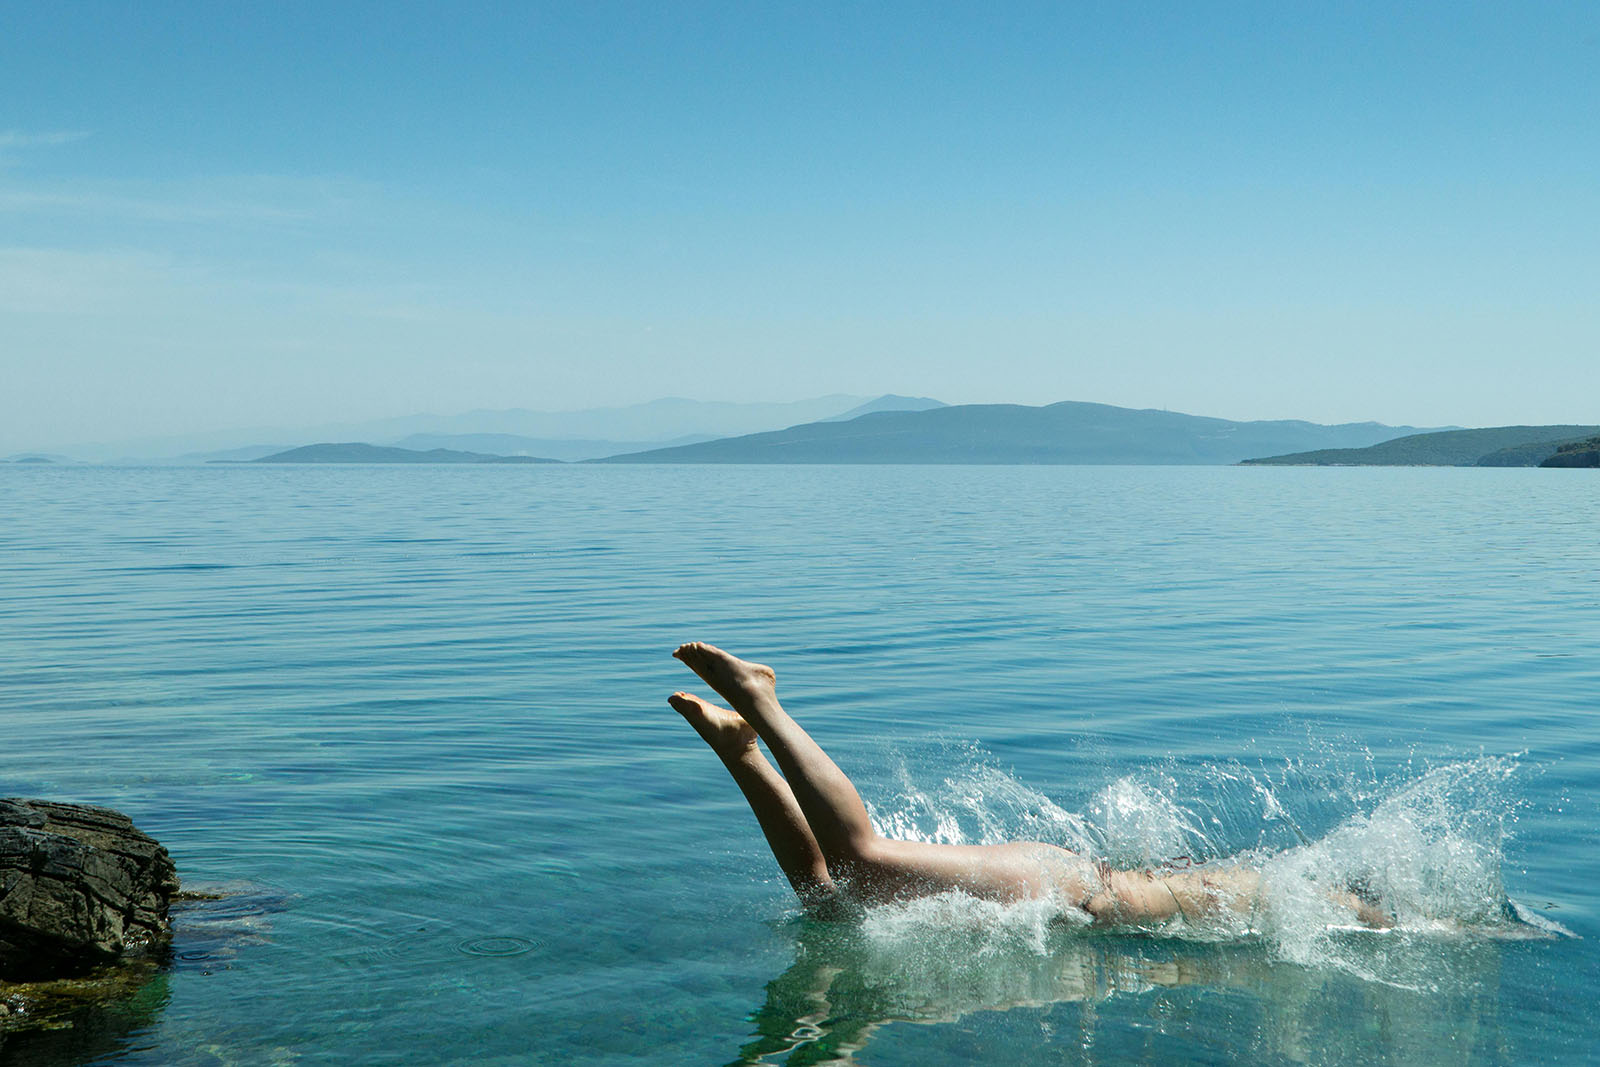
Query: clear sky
{"points": [[219, 215]]}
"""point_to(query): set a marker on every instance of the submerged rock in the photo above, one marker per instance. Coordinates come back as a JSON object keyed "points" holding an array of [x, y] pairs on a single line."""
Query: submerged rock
{"points": [[95, 1016], [83, 1019], [80, 886]]}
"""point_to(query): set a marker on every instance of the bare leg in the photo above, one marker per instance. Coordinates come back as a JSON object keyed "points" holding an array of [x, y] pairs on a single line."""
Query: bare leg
{"points": [[1199, 895], [1193, 895], [790, 839], [877, 867], [818, 826]]}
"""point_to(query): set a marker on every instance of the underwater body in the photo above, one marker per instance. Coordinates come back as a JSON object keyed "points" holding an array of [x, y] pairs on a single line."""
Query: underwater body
{"points": [[411, 724]]}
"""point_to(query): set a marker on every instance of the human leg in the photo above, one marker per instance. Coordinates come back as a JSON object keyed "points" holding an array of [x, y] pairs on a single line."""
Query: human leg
{"points": [[769, 796], [877, 867], [1202, 894], [831, 804], [1142, 896], [815, 794]]}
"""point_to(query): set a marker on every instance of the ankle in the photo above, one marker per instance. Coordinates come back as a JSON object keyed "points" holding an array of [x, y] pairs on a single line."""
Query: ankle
{"points": [[743, 757]]}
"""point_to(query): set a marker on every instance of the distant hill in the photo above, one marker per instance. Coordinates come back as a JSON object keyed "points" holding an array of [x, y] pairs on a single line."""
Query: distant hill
{"points": [[888, 402], [1494, 446], [565, 449], [1585, 453], [657, 424], [579, 448], [231, 455], [363, 453], [1068, 432]]}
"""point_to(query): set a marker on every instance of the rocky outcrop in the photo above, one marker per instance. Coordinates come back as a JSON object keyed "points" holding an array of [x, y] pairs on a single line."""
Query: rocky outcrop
{"points": [[80, 886]]}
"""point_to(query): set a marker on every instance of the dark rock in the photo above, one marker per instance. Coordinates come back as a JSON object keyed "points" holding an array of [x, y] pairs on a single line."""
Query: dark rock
{"points": [[80, 886]]}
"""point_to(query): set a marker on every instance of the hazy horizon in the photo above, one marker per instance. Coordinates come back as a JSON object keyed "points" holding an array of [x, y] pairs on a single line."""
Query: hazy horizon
{"points": [[289, 216]]}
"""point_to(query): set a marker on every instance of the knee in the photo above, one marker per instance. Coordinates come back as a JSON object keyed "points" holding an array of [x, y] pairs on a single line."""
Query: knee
{"points": [[857, 852]]}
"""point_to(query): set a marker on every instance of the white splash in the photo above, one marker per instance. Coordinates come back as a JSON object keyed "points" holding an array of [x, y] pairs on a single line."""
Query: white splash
{"points": [[977, 804], [1143, 827], [1428, 853]]}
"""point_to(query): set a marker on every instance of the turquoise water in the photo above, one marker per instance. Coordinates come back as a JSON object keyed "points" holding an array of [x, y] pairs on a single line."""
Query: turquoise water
{"points": [[414, 720]]}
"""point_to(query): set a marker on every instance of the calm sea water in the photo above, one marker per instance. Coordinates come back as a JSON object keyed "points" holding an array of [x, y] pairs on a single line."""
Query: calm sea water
{"points": [[413, 719]]}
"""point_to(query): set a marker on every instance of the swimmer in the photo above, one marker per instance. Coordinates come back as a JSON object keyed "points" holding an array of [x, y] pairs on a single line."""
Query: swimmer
{"points": [[818, 830]]}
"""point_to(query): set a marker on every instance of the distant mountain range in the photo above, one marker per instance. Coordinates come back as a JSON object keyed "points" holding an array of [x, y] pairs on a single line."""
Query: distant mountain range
{"points": [[655, 423], [580, 448], [508, 444], [355, 452], [913, 430], [887, 402], [1494, 446], [1068, 432], [553, 434]]}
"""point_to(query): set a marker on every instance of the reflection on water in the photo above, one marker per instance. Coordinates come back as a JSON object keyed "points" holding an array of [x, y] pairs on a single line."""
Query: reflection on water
{"points": [[70, 1022], [83, 1020], [1298, 983], [1111, 997]]}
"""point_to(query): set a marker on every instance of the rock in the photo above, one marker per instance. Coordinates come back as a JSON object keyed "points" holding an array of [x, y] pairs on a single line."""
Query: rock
{"points": [[80, 886]]}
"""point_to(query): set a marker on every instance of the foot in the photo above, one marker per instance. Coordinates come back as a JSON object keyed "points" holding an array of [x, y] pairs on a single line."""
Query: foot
{"points": [[728, 735], [737, 681]]}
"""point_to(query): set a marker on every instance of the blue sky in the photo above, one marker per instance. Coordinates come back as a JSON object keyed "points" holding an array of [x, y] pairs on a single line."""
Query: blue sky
{"points": [[289, 213]]}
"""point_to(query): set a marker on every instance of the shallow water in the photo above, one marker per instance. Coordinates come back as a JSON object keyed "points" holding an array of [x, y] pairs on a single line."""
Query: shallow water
{"points": [[415, 718]]}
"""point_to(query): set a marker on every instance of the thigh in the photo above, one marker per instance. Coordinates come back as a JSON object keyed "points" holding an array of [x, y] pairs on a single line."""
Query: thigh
{"points": [[1006, 873]]}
